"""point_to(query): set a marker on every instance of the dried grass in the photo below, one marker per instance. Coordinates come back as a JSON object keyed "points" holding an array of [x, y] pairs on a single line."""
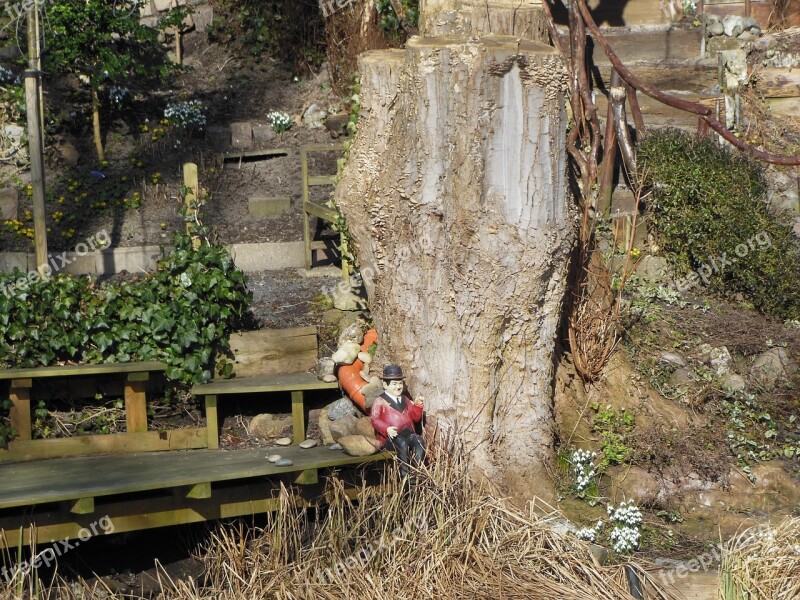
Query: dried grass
{"points": [[763, 564], [445, 539]]}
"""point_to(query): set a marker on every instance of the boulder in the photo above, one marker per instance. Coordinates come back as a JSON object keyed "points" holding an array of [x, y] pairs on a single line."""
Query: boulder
{"points": [[358, 445], [242, 135], [69, 153], [343, 427], [770, 367], [340, 409], [314, 117], [365, 428], [270, 426], [263, 134]]}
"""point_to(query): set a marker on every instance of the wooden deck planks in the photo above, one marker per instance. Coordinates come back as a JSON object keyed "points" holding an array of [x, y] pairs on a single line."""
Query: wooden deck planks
{"points": [[87, 477], [78, 370], [287, 382]]}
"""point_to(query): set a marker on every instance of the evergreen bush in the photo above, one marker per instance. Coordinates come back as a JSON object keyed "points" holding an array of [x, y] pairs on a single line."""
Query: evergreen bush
{"points": [[710, 216]]}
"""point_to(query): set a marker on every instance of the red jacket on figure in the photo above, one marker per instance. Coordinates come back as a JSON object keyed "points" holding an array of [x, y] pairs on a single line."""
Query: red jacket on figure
{"points": [[384, 415]]}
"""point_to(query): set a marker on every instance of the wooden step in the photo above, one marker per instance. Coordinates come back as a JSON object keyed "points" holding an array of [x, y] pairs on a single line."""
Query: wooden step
{"points": [[671, 43], [698, 77], [656, 114]]}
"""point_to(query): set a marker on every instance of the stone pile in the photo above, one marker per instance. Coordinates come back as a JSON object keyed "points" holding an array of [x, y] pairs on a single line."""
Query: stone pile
{"points": [[730, 32]]}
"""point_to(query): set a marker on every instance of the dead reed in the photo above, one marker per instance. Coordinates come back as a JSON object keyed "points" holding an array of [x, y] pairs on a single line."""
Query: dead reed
{"points": [[763, 563]]}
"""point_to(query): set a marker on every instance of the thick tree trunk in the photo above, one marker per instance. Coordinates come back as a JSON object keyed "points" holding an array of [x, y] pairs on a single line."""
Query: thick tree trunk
{"points": [[455, 197]]}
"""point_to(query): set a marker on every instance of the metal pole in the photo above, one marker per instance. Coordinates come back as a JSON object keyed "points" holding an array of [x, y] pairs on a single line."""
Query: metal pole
{"points": [[33, 91]]}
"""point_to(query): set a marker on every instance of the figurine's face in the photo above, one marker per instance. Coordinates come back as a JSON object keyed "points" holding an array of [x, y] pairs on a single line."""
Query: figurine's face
{"points": [[394, 387]]}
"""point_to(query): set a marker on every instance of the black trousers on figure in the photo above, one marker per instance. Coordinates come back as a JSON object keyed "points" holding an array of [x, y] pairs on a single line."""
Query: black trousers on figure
{"points": [[408, 445]]}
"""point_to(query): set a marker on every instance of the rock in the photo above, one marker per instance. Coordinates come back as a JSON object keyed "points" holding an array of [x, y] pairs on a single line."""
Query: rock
{"points": [[333, 316], [343, 427], [749, 22], [69, 154], [719, 359], [314, 117], [346, 354], [270, 426], [358, 445], [732, 25], [715, 28], [284, 441], [746, 36], [653, 268], [770, 367], [203, 16], [352, 333], [350, 318], [347, 296], [324, 425], [365, 428], [324, 366], [241, 135], [681, 380], [340, 409], [335, 446], [309, 443], [329, 378], [9, 203], [631, 481], [755, 31], [673, 359], [721, 43], [733, 381], [337, 124], [273, 458], [284, 462], [263, 134], [13, 133]]}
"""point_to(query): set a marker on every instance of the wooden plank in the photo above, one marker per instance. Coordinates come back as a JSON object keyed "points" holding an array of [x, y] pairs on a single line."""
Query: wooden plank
{"points": [[212, 422], [82, 506], [20, 414], [199, 491], [274, 351], [789, 107], [323, 147], [265, 152], [318, 210], [322, 180], [115, 443], [135, 405], [77, 370], [99, 476], [285, 382], [778, 83], [145, 513], [298, 417]]}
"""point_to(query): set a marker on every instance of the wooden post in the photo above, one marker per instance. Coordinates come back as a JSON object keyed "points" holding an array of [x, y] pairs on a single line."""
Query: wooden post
{"points": [[20, 395], [191, 184], [211, 422], [136, 402], [304, 186], [33, 103], [298, 418], [609, 156]]}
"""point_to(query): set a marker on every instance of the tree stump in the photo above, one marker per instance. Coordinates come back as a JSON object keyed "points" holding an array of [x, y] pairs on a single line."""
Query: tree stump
{"points": [[456, 200]]}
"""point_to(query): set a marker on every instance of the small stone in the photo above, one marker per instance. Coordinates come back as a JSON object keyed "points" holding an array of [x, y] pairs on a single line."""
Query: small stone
{"points": [[365, 428], [337, 124], [341, 408], [314, 117], [241, 135], [673, 359], [715, 28], [269, 426], [733, 381], [732, 25], [284, 441], [263, 134], [330, 378], [681, 380], [273, 458], [284, 462], [324, 424], [332, 316], [305, 444], [335, 446], [746, 36]]}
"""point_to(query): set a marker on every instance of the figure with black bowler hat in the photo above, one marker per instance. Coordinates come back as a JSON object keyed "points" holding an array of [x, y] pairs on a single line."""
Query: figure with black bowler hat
{"points": [[395, 417]]}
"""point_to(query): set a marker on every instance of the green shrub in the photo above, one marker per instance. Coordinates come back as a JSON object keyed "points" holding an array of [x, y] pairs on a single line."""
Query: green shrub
{"points": [[181, 315], [710, 216]]}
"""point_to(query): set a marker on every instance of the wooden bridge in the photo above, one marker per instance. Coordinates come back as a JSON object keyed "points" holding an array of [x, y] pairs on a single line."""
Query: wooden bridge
{"points": [[54, 489]]}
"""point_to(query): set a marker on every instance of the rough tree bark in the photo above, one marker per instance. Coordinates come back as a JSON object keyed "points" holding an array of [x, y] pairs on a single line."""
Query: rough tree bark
{"points": [[455, 198]]}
